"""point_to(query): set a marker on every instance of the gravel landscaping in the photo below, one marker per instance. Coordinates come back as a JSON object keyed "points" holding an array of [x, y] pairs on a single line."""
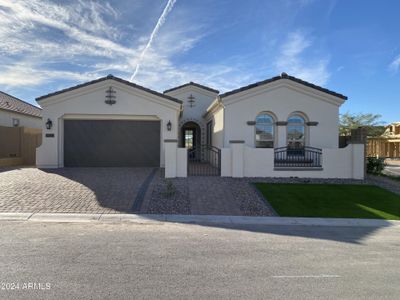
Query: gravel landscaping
{"points": [[384, 182], [167, 196], [205, 196]]}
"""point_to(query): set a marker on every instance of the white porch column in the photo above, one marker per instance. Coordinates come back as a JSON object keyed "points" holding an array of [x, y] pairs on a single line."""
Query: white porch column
{"points": [[237, 158], [170, 148]]}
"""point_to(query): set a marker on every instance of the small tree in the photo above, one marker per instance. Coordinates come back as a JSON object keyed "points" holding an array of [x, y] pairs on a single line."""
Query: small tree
{"points": [[375, 165], [349, 121]]}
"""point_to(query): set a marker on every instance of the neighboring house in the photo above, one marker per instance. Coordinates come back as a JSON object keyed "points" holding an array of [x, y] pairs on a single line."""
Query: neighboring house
{"points": [[386, 145], [20, 131], [17, 113], [281, 127]]}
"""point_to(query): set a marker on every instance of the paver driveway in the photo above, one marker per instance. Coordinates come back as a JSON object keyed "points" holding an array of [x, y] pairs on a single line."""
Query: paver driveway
{"points": [[114, 190], [82, 190]]}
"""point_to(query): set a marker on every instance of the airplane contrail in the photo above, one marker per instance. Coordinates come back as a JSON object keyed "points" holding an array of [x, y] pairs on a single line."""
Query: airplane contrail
{"points": [[160, 22]]}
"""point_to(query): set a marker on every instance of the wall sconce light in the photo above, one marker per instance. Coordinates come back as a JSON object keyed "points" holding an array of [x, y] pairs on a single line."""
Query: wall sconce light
{"points": [[49, 124], [15, 122], [169, 126]]}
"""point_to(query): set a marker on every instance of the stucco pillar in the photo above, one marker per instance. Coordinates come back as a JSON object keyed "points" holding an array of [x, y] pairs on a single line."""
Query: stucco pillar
{"points": [[237, 158], [358, 160], [281, 134], [170, 148], [181, 162], [226, 162]]}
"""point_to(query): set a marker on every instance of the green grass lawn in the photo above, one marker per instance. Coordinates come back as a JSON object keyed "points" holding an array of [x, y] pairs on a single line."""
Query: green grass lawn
{"points": [[331, 200]]}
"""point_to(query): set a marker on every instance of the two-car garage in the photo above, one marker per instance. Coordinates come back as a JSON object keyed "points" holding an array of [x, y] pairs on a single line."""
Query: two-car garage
{"points": [[83, 128], [111, 143]]}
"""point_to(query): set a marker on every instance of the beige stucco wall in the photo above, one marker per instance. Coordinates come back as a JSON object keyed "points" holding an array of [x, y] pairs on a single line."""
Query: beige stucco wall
{"points": [[88, 103], [282, 99], [6, 119], [217, 119]]}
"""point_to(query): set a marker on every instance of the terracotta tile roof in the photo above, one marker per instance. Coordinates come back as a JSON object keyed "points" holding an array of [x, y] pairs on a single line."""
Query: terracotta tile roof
{"points": [[193, 84], [282, 76], [11, 103], [113, 78]]}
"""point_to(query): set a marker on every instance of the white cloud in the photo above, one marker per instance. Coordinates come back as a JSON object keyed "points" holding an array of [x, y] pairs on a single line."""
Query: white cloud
{"points": [[290, 60], [38, 37], [395, 64], [24, 74], [43, 42], [80, 23]]}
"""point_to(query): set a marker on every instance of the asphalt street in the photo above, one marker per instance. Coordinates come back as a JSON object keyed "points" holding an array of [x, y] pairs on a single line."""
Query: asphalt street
{"points": [[185, 261]]}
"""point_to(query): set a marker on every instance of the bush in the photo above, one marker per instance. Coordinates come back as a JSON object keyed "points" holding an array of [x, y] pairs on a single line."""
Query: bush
{"points": [[375, 165], [170, 189]]}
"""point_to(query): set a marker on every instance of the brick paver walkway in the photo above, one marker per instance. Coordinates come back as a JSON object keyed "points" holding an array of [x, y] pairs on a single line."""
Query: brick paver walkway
{"points": [[67, 190], [115, 190]]}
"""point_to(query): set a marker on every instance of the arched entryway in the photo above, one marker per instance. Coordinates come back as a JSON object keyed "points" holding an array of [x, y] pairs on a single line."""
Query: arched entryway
{"points": [[190, 135], [203, 160]]}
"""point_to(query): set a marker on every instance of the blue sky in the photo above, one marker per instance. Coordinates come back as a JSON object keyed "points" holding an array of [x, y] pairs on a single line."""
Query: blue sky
{"points": [[351, 47]]}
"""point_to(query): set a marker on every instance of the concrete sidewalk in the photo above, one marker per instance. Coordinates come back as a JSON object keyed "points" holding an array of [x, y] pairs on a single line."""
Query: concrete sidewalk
{"points": [[193, 219]]}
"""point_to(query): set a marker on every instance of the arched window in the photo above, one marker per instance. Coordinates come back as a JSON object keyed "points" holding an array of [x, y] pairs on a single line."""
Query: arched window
{"points": [[264, 130], [296, 131]]}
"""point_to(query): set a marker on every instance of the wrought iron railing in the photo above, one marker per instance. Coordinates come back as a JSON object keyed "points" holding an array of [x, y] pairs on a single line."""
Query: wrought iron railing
{"points": [[204, 160], [305, 157]]}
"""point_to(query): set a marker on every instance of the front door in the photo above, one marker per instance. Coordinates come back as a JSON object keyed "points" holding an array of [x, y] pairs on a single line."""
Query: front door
{"points": [[190, 135]]}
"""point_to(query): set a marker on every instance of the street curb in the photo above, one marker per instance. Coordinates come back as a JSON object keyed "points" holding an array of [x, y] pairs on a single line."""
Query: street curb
{"points": [[15, 216], [193, 219], [63, 217]]}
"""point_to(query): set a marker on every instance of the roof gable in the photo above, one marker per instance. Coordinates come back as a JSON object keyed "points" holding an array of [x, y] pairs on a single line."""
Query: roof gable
{"points": [[191, 83], [110, 77], [11, 103], [283, 76]]}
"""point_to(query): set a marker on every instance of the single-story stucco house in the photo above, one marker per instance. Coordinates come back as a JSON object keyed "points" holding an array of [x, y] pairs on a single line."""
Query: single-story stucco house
{"points": [[20, 131], [15, 112], [280, 127]]}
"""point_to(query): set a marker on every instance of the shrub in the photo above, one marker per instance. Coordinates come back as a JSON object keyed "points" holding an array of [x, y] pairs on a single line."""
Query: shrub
{"points": [[170, 189], [375, 165]]}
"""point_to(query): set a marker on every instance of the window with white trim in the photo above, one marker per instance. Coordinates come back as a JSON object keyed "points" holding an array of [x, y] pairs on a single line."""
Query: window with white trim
{"points": [[264, 130]]}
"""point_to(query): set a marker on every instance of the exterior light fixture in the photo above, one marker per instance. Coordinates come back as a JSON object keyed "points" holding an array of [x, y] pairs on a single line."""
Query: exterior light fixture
{"points": [[169, 126], [15, 122], [49, 124]]}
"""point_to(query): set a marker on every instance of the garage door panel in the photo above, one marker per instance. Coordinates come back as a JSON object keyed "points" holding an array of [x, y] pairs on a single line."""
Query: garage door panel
{"points": [[111, 143]]}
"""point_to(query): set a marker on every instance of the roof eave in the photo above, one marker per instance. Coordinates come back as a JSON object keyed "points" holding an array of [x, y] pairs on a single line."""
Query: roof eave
{"points": [[109, 77], [191, 83], [287, 77]]}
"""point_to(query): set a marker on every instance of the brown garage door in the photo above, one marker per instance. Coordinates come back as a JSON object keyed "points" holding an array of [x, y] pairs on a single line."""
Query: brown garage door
{"points": [[111, 143]]}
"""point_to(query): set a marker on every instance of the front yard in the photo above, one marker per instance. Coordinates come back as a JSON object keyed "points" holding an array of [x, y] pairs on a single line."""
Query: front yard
{"points": [[331, 200]]}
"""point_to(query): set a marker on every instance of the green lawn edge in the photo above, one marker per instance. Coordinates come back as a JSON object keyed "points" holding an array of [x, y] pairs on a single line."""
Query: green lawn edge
{"points": [[331, 200]]}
